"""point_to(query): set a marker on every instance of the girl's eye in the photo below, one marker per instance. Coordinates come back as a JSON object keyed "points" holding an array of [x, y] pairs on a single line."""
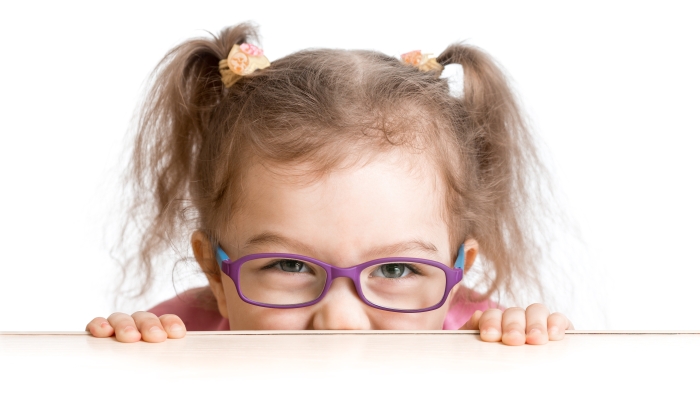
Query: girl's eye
{"points": [[392, 271], [291, 266]]}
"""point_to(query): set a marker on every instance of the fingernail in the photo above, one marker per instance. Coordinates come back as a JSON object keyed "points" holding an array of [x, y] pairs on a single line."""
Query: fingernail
{"points": [[155, 329], [104, 325], [176, 328], [128, 328], [535, 331], [491, 332], [554, 331]]}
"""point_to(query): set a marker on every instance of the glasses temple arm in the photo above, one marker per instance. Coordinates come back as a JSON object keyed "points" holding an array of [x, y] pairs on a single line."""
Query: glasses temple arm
{"points": [[459, 264], [221, 256]]}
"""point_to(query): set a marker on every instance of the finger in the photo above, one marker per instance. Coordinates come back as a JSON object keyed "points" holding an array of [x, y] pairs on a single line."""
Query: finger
{"points": [[173, 325], [537, 324], [473, 322], [150, 327], [99, 327], [557, 323], [124, 328], [490, 325], [513, 326]]}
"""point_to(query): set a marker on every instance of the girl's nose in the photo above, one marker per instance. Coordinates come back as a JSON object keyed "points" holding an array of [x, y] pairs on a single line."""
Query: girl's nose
{"points": [[342, 308]]}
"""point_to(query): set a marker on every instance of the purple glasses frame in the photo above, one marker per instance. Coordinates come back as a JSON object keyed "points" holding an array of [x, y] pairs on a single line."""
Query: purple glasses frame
{"points": [[232, 268]]}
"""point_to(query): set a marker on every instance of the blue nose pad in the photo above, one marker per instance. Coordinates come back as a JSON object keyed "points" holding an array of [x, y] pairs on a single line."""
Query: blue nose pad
{"points": [[459, 264]]}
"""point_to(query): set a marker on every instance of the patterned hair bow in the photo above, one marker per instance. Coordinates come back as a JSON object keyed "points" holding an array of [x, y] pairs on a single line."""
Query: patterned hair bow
{"points": [[242, 60], [421, 61]]}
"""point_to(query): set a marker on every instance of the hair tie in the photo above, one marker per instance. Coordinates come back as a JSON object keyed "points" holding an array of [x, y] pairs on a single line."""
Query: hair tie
{"points": [[422, 61], [242, 60]]}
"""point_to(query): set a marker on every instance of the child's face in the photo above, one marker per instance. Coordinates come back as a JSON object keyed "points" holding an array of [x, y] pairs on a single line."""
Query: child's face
{"points": [[338, 219]]}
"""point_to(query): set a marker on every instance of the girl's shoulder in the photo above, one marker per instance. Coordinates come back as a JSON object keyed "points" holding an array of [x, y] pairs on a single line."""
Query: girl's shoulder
{"points": [[463, 305], [197, 309]]}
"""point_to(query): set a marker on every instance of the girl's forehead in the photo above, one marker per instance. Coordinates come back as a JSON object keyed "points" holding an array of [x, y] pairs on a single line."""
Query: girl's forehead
{"points": [[395, 167], [383, 200]]}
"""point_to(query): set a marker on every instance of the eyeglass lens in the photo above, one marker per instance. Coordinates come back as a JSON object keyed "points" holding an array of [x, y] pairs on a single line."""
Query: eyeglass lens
{"points": [[399, 286]]}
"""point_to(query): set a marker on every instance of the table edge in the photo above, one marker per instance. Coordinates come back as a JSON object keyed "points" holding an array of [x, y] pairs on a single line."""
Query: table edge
{"points": [[353, 332]]}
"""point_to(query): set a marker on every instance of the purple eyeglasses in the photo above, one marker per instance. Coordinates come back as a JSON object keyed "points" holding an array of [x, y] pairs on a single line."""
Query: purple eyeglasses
{"points": [[399, 284]]}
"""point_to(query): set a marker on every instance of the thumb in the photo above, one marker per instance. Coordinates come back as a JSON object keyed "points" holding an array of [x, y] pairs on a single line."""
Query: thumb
{"points": [[473, 323]]}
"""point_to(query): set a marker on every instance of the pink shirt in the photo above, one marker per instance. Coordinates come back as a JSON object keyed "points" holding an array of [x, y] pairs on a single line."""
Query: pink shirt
{"points": [[197, 310]]}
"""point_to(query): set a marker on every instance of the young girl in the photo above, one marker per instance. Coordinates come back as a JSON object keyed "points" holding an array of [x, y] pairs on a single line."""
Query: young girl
{"points": [[334, 189]]}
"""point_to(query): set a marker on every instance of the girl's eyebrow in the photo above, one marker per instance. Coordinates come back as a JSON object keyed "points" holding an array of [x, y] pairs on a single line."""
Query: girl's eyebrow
{"points": [[267, 238], [399, 248]]}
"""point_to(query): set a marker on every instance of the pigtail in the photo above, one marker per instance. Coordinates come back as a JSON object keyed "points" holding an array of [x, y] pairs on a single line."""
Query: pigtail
{"points": [[504, 171], [173, 127]]}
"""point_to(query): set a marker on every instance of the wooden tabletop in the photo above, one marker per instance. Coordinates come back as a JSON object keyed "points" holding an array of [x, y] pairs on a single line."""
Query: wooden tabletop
{"points": [[348, 364]]}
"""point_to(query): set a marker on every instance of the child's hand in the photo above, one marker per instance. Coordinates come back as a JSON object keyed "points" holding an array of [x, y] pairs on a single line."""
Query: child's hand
{"points": [[137, 326], [516, 326]]}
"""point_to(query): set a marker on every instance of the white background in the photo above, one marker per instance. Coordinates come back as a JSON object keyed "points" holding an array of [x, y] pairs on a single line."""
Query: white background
{"points": [[612, 89]]}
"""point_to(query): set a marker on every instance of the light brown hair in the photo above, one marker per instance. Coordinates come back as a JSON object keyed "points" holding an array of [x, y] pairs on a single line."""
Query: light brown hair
{"points": [[322, 106]]}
